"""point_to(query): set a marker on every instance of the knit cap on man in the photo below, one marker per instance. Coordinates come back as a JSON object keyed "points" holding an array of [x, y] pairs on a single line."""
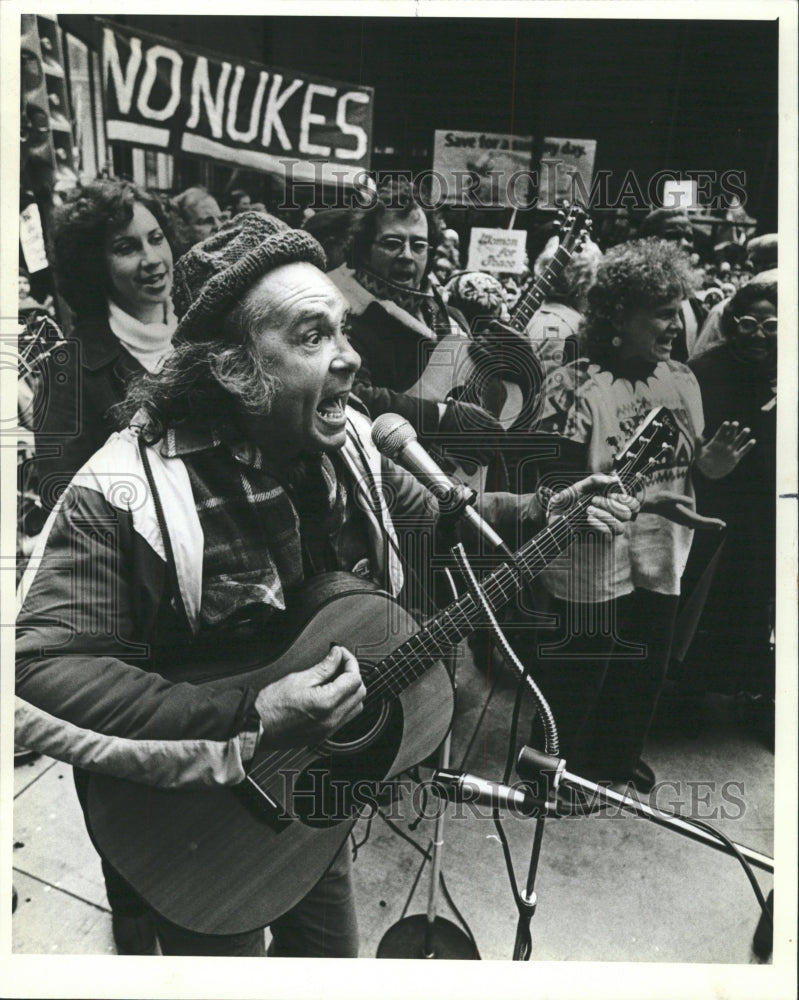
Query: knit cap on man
{"points": [[212, 276]]}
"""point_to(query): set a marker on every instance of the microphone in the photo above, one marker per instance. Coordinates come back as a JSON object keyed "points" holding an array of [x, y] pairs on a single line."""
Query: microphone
{"points": [[460, 786], [394, 437]]}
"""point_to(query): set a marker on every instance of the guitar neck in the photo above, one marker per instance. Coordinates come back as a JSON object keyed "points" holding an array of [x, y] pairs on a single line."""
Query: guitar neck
{"points": [[409, 661], [529, 304]]}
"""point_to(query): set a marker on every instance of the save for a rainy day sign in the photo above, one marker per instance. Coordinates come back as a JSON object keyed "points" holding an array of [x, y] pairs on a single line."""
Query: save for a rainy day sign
{"points": [[483, 169], [259, 117], [566, 170]]}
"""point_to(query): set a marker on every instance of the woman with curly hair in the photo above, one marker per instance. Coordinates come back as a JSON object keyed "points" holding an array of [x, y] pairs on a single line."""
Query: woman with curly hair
{"points": [[617, 606], [113, 263]]}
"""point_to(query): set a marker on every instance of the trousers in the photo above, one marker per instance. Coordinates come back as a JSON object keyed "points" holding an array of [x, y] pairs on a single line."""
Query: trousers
{"points": [[602, 674]]}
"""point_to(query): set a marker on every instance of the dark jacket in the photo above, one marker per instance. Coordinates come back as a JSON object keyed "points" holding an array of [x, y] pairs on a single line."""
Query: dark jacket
{"points": [[81, 381], [106, 678], [738, 390], [732, 645]]}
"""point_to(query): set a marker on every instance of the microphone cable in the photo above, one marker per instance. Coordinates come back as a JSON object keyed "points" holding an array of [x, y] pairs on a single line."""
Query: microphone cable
{"points": [[733, 849], [525, 908], [374, 491]]}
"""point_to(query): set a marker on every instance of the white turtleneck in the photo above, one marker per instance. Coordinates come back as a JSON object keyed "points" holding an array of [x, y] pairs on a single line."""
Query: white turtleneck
{"points": [[149, 343]]}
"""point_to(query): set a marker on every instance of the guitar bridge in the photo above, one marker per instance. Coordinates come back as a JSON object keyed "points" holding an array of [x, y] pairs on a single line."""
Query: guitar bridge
{"points": [[262, 805]]}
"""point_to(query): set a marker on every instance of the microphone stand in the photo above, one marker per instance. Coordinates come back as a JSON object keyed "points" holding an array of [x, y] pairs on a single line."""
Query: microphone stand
{"points": [[525, 901], [535, 766], [542, 775], [429, 935]]}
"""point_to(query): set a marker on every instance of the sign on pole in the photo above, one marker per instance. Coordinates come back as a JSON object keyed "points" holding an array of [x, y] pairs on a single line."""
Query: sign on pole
{"points": [[561, 160], [481, 169], [497, 250]]}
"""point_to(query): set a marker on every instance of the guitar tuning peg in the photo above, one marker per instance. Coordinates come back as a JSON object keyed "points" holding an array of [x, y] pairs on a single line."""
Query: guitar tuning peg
{"points": [[612, 441]]}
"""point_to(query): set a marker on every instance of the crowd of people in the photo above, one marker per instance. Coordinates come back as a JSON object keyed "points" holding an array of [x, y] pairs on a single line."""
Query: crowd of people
{"points": [[234, 365]]}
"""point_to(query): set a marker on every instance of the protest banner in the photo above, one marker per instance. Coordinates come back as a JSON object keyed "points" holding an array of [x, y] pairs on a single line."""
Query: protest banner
{"points": [[566, 170], [179, 99], [483, 169], [497, 250]]}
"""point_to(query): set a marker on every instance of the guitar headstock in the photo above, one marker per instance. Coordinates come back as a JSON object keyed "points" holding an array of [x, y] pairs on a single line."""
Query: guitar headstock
{"points": [[654, 439], [574, 227]]}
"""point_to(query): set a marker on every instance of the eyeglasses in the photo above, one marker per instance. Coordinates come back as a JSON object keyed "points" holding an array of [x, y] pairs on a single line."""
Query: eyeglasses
{"points": [[748, 325], [394, 245]]}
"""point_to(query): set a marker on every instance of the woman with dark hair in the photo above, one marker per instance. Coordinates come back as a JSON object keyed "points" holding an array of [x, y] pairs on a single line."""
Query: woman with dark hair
{"points": [[617, 607], [113, 263], [239, 201], [738, 379]]}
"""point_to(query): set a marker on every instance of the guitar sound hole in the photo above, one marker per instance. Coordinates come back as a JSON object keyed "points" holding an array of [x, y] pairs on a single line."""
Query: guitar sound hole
{"points": [[357, 734], [340, 786]]}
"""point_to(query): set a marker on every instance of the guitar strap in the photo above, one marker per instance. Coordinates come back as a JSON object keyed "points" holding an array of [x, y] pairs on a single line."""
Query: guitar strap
{"points": [[171, 565], [373, 490]]}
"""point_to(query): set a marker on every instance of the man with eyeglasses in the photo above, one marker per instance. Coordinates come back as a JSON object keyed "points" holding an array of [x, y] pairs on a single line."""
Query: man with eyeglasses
{"points": [[397, 316]]}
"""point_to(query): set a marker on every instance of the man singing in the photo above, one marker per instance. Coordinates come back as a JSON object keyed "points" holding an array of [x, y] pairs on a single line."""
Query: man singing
{"points": [[244, 474]]}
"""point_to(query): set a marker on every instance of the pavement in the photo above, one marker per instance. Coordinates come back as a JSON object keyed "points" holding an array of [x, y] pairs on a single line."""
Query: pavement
{"points": [[610, 887]]}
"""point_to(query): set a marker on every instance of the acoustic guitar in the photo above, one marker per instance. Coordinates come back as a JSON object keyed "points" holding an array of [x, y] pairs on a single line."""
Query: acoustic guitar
{"points": [[505, 380], [499, 371], [572, 234], [226, 860]]}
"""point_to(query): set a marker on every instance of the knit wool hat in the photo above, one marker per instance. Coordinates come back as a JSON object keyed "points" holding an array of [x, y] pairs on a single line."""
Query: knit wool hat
{"points": [[212, 276]]}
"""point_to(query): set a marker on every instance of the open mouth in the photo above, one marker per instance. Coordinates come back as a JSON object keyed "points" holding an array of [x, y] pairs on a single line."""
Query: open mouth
{"points": [[331, 409], [664, 343]]}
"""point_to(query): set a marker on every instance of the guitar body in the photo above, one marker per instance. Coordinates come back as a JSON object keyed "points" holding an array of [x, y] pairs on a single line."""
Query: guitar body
{"points": [[229, 860], [452, 373], [219, 861], [507, 380]]}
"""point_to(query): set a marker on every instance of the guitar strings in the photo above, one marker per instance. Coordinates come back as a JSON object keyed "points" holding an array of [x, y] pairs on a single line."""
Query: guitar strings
{"points": [[460, 614], [419, 652]]}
